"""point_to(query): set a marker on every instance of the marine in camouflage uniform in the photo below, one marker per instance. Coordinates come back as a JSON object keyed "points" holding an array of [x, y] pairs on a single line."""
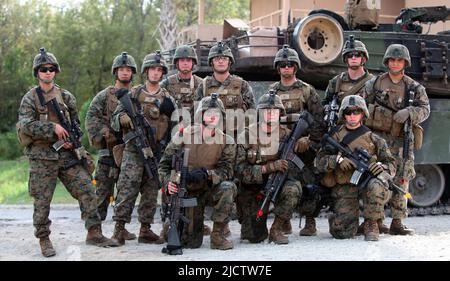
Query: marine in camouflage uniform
{"points": [[387, 99], [182, 86], [298, 96], [355, 56], [353, 134], [103, 137], [154, 102], [234, 91], [256, 160], [210, 178], [38, 129]]}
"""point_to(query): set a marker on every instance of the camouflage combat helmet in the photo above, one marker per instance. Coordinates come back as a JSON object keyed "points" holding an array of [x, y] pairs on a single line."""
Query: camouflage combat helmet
{"points": [[212, 101], [185, 51], [123, 60], [286, 54], [220, 50], [154, 59], [354, 101], [354, 45], [271, 100], [397, 51], [44, 58]]}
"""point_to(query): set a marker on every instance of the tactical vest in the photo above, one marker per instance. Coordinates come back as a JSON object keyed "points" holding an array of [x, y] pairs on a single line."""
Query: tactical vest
{"points": [[203, 155], [342, 88], [295, 100], [364, 142], [261, 154], [182, 92], [389, 98], [230, 95], [150, 106]]}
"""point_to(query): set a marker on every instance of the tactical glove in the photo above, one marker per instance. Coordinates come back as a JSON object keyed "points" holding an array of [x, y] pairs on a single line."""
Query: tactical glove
{"points": [[197, 176], [401, 116], [376, 168], [125, 121], [167, 107], [278, 165], [302, 145], [346, 164]]}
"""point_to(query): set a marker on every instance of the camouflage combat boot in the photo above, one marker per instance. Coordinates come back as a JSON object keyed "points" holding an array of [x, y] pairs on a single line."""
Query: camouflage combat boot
{"points": [[218, 239], [146, 235], [46, 247], [119, 235], [95, 237], [371, 231], [397, 228], [276, 233], [206, 230], [287, 227], [310, 227]]}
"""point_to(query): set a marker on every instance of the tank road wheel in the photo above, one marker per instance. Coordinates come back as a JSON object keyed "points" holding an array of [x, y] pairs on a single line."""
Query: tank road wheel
{"points": [[428, 185], [319, 39]]}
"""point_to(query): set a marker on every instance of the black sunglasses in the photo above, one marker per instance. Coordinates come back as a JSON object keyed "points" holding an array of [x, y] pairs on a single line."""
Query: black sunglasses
{"points": [[352, 111], [44, 69], [355, 54], [286, 63]]}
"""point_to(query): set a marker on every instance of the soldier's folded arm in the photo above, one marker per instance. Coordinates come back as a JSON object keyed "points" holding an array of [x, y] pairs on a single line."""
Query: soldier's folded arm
{"points": [[115, 120], [318, 128], [326, 162], [384, 155], [199, 93], [249, 98]]}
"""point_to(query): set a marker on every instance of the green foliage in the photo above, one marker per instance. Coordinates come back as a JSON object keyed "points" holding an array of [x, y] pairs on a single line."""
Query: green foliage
{"points": [[9, 146], [85, 38]]}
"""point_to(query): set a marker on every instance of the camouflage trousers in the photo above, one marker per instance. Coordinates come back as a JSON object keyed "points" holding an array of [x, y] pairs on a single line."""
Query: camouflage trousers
{"points": [[249, 200], [309, 207], [42, 184], [132, 182], [106, 175], [398, 202], [344, 221], [220, 197]]}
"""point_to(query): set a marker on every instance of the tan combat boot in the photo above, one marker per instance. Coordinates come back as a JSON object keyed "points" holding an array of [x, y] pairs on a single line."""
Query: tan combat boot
{"points": [[371, 231], [310, 227], [218, 239], [95, 237], [128, 235], [118, 235], [146, 235], [46, 247], [226, 231], [276, 233], [384, 229], [206, 230], [360, 230], [397, 228], [287, 227]]}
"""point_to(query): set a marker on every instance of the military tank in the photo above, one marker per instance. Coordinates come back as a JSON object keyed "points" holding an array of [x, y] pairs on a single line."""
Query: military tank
{"points": [[319, 38]]}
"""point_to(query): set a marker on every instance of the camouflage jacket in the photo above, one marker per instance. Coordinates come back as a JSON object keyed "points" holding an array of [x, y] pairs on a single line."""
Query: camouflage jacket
{"points": [[309, 100], [39, 130], [326, 160], [251, 157], [382, 93], [182, 91], [98, 118], [211, 82], [222, 167], [345, 83]]}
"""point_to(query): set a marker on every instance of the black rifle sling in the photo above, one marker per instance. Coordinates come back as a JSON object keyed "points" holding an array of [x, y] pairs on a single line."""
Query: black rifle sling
{"points": [[353, 135]]}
